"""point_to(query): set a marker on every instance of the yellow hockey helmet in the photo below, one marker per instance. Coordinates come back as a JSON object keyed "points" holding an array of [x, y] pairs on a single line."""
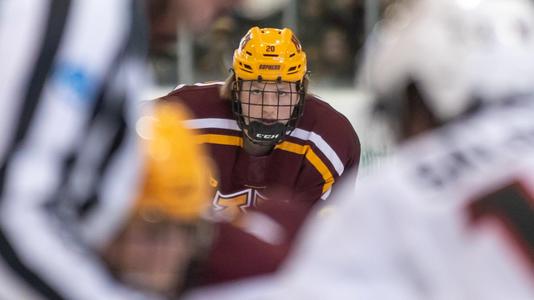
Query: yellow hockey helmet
{"points": [[270, 54], [176, 182]]}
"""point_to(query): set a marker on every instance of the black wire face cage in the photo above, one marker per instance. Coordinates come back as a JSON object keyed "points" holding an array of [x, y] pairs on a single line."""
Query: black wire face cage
{"points": [[267, 111]]}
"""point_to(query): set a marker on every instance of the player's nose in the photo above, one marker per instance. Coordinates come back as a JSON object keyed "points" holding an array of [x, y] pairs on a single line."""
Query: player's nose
{"points": [[270, 106]]}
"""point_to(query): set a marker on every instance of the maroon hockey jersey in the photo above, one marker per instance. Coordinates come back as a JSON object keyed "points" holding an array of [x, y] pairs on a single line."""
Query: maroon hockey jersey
{"points": [[305, 165]]}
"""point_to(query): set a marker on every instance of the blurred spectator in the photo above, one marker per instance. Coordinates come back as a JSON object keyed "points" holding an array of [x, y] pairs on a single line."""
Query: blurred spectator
{"points": [[335, 31], [336, 60], [216, 49], [166, 16]]}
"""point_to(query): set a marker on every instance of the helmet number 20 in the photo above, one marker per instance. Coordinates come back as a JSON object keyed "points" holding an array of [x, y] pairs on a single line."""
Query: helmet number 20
{"points": [[270, 48]]}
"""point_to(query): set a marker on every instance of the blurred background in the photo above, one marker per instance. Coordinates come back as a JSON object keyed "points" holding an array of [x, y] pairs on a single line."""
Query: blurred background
{"points": [[332, 33]]}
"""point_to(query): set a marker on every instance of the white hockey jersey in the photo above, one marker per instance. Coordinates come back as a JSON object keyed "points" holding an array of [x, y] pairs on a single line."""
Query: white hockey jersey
{"points": [[451, 217]]}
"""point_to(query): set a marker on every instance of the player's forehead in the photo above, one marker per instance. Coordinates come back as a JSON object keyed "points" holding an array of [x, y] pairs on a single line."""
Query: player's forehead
{"points": [[268, 84]]}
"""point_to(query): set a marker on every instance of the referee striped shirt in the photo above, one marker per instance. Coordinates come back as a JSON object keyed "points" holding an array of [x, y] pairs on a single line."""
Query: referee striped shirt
{"points": [[68, 157]]}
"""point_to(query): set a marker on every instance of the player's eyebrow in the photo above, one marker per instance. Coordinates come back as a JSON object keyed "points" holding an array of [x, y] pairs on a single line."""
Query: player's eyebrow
{"points": [[258, 85], [283, 86]]}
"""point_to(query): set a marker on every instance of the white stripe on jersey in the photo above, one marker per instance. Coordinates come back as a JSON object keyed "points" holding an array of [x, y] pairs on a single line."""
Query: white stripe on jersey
{"points": [[15, 59], [212, 123], [116, 190], [322, 145], [198, 84], [326, 194], [301, 134]]}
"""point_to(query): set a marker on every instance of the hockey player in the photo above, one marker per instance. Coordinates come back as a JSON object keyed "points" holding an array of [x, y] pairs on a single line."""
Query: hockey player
{"points": [[264, 131], [165, 230], [267, 137], [451, 215]]}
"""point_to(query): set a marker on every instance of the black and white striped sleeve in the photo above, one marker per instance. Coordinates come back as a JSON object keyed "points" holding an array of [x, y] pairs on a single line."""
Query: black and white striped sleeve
{"points": [[66, 144]]}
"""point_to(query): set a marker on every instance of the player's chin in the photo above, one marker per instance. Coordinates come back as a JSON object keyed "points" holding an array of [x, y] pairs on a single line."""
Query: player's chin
{"points": [[267, 122], [270, 122]]}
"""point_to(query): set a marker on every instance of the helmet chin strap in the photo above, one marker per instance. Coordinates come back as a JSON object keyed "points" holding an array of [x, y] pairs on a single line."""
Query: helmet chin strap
{"points": [[260, 133]]}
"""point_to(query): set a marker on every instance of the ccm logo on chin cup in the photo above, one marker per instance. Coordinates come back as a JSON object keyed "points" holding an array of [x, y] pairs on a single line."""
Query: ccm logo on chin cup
{"points": [[267, 136]]}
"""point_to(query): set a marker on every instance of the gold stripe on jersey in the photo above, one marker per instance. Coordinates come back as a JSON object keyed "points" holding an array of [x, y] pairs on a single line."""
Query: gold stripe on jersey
{"points": [[306, 150], [312, 158]]}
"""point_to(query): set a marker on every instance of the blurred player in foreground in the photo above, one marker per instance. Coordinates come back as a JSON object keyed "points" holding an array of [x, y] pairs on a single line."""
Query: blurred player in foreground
{"points": [[70, 76], [165, 230], [451, 215]]}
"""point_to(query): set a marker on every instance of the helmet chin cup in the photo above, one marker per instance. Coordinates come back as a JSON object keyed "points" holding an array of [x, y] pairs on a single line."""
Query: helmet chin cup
{"points": [[260, 133]]}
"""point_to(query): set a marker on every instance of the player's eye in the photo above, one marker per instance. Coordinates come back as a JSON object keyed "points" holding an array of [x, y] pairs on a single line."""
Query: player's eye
{"points": [[283, 93], [256, 91]]}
